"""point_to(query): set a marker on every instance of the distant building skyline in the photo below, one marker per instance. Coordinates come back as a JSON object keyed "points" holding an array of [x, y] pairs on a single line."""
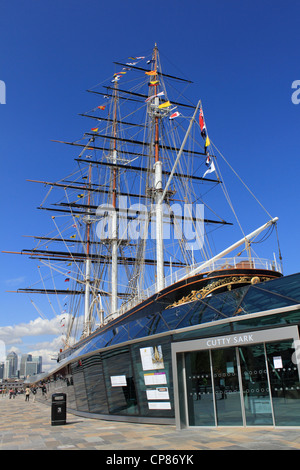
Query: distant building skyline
{"points": [[29, 365]]}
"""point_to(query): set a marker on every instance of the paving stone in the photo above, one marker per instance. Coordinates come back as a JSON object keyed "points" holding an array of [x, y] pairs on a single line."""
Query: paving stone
{"points": [[27, 426]]}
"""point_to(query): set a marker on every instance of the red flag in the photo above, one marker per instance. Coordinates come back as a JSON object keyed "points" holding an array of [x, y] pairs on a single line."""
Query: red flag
{"points": [[201, 120], [174, 115], [202, 124]]}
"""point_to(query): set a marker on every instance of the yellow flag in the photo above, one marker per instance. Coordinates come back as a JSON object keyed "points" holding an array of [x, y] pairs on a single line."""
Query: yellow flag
{"points": [[207, 142], [152, 72], [164, 105], [73, 236]]}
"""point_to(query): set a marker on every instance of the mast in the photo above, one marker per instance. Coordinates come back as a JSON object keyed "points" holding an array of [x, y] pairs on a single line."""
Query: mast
{"points": [[87, 322], [158, 188], [114, 234]]}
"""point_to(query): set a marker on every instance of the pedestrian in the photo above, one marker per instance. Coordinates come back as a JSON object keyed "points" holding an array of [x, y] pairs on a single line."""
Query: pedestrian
{"points": [[34, 393], [44, 391], [27, 393], [11, 392]]}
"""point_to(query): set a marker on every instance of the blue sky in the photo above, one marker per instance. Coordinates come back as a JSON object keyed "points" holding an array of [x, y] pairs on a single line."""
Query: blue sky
{"points": [[242, 56]]}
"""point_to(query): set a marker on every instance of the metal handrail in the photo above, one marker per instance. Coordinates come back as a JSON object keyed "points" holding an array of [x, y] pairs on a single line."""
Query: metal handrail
{"points": [[222, 263]]}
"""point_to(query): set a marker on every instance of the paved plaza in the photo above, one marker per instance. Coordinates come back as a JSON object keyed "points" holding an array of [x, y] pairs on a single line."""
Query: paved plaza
{"points": [[27, 426]]}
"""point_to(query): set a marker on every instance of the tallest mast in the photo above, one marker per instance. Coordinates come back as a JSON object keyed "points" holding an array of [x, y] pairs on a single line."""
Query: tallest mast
{"points": [[114, 241], [158, 185], [87, 320]]}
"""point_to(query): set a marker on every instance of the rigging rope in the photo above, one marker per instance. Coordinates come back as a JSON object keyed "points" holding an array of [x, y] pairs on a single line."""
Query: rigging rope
{"points": [[248, 189]]}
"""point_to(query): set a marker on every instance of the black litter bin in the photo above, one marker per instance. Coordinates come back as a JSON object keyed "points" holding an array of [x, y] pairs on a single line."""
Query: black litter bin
{"points": [[58, 409]]}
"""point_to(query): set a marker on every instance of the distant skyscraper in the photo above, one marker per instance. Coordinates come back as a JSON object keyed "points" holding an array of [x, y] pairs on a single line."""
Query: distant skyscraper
{"points": [[30, 368], [25, 358], [11, 365], [38, 360], [1, 370]]}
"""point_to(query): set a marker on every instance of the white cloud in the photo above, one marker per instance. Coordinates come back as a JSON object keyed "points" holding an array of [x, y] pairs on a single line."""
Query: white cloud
{"points": [[48, 350], [38, 327], [39, 337], [45, 337], [15, 281]]}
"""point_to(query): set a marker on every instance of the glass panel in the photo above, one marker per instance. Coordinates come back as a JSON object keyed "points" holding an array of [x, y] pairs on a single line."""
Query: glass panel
{"points": [[260, 299], [198, 313], [79, 386], [120, 335], [94, 382], [227, 303], [199, 389], [161, 325], [146, 330], [227, 390], [181, 377], [173, 316], [255, 385], [119, 382], [154, 383], [137, 328], [288, 286], [285, 385]]}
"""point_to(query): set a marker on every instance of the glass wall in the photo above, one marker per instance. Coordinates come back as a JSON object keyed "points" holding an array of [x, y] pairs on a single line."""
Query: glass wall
{"points": [[253, 385], [285, 385], [135, 380]]}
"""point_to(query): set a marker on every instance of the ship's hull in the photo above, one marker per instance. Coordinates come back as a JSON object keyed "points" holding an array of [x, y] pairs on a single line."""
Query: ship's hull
{"points": [[187, 290]]}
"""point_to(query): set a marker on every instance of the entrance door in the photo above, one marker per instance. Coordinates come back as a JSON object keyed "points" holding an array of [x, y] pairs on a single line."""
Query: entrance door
{"points": [[257, 383], [226, 387], [212, 388], [199, 389], [256, 392]]}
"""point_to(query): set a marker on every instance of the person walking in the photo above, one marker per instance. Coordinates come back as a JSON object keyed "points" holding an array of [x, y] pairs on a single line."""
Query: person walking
{"points": [[44, 391], [27, 393]]}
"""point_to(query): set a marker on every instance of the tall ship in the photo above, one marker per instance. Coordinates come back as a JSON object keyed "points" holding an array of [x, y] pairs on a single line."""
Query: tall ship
{"points": [[129, 256]]}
